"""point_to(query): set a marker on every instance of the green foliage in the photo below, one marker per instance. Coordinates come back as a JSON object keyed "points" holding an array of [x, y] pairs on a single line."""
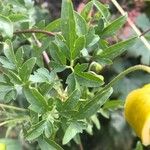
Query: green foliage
{"points": [[139, 146], [6, 26], [11, 144], [60, 98], [72, 130], [116, 49], [113, 27]]}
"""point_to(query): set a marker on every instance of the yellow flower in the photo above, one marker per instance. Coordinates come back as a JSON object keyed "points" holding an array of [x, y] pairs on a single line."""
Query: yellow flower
{"points": [[137, 112], [2, 146]]}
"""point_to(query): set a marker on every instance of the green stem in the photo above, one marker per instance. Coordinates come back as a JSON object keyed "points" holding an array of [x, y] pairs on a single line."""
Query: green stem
{"points": [[13, 107], [35, 31], [16, 120], [72, 63], [124, 73]]}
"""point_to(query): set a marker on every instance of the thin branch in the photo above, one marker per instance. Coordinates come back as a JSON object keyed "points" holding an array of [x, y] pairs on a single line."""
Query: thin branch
{"points": [[14, 120], [38, 43], [81, 146], [148, 30], [138, 32], [45, 55], [124, 73], [13, 107], [36, 31]]}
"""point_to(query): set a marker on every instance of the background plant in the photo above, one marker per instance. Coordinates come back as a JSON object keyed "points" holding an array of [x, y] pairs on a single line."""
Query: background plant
{"points": [[52, 71]]}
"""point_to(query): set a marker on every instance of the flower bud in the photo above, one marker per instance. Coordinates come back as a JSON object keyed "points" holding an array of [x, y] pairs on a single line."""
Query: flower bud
{"points": [[96, 67], [137, 112]]}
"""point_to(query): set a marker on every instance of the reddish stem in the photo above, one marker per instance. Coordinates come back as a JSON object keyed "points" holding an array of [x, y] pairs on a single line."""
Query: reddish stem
{"points": [[35, 31]]}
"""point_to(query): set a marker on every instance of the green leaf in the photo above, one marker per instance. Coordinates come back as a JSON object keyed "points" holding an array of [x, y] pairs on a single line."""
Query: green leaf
{"points": [[44, 88], [35, 131], [94, 105], [53, 26], [37, 101], [26, 69], [57, 54], [104, 113], [72, 83], [6, 27], [139, 146], [54, 144], [18, 18], [6, 63], [60, 42], [4, 78], [47, 144], [11, 144], [96, 121], [91, 38], [86, 10], [102, 9], [37, 53], [57, 67], [9, 52], [40, 24], [113, 104], [68, 25], [43, 75], [113, 27], [81, 26], [5, 87], [19, 56], [77, 139], [72, 101], [11, 95], [13, 77], [81, 67], [72, 130], [103, 44], [118, 48], [48, 129], [89, 79], [100, 26], [79, 45]]}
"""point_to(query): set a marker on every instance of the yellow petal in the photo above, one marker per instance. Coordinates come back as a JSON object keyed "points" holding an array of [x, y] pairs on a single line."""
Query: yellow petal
{"points": [[137, 112], [145, 137], [147, 86], [2, 146]]}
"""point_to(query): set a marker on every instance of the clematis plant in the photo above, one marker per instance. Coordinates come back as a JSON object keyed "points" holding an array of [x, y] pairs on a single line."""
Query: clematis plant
{"points": [[49, 91]]}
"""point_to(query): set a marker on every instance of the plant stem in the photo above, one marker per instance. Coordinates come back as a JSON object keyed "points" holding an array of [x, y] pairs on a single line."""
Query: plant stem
{"points": [[45, 55], [72, 63], [148, 30], [13, 120], [138, 32], [81, 146], [124, 73], [35, 31], [13, 107]]}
